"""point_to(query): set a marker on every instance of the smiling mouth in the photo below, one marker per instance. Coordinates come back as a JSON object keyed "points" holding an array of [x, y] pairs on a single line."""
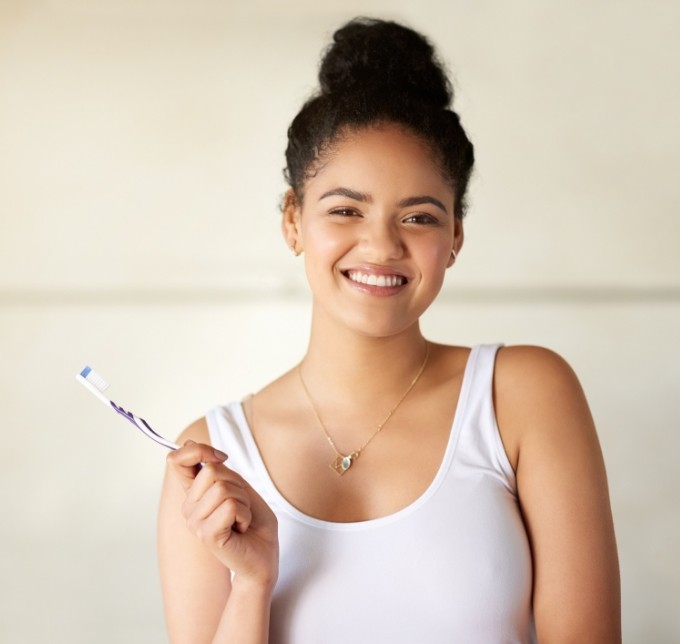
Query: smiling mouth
{"points": [[375, 280]]}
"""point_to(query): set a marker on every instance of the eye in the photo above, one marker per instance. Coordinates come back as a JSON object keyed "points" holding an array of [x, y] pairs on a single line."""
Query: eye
{"points": [[421, 218], [344, 212]]}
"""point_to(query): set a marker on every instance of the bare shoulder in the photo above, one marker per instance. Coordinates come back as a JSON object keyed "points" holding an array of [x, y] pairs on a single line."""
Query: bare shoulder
{"points": [[196, 431], [532, 370], [537, 392], [447, 361]]}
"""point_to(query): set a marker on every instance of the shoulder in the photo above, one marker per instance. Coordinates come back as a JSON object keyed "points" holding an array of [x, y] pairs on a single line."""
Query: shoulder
{"points": [[196, 431], [447, 361], [522, 364], [529, 375], [537, 398]]}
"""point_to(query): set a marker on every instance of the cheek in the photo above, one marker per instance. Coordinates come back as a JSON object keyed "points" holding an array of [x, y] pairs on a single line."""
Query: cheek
{"points": [[437, 256], [442, 254], [322, 244]]}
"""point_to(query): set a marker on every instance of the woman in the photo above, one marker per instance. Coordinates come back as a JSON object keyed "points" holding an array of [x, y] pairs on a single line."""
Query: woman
{"points": [[387, 488]]}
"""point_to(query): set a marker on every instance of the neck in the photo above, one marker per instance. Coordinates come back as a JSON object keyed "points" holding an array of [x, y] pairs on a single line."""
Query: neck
{"points": [[356, 367]]}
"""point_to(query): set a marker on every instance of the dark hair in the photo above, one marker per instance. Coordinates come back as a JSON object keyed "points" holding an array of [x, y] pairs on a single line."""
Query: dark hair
{"points": [[375, 72]]}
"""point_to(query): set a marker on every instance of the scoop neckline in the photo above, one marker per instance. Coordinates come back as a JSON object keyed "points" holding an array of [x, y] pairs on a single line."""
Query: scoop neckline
{"points": [[283, 503]]}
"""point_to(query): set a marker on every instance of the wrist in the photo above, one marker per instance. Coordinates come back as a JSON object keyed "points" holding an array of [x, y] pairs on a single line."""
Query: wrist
{"points": [[263, 588]]}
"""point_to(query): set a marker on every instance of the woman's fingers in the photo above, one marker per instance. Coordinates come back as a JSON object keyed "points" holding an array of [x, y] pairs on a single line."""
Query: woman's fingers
{"points": [[216, 528], [225, 513], [210, 474], [186, 461], [216, 489]]}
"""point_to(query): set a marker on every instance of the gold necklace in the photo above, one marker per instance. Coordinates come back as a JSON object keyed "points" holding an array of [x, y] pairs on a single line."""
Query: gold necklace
{"points": [[342, 462]]}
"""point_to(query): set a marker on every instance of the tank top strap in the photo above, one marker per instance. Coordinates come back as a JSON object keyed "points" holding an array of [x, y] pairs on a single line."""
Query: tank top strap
{"points": [[480, 441]]}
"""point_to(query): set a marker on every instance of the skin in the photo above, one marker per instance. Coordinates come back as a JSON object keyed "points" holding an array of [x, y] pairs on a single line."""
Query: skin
{"points": [[379, 207]]}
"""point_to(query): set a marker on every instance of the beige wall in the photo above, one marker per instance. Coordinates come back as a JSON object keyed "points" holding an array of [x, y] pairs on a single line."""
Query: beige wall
{"points": [[141, 144]]}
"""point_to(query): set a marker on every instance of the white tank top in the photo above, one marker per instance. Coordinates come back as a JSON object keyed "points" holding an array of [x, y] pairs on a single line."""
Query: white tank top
{"points": [[453, 566]]}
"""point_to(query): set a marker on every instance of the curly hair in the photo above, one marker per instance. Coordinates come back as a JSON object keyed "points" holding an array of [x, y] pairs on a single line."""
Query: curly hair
{"points": [[376, 72]]}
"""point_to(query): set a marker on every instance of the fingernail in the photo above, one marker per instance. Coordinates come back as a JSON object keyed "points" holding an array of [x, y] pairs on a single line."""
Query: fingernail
{"points": [[221, 455], [189, 442]]}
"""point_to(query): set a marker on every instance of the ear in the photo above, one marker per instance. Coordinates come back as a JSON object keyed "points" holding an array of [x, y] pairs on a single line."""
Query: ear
{"points": [[458, 238], [290, 222]]}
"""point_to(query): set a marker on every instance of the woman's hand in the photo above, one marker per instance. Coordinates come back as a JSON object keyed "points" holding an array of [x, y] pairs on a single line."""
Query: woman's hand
{"points": [[226, 515]]}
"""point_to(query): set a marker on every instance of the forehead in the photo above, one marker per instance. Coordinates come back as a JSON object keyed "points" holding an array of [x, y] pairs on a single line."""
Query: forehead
{"points": [[385, 156]]}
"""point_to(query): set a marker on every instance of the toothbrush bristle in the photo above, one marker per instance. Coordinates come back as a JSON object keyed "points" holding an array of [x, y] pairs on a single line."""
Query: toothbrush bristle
{"points": [[94, 378]]}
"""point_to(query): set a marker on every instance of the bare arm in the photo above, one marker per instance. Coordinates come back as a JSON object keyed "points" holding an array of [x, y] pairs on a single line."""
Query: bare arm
{"points": [[563, 495], [212, 524]]}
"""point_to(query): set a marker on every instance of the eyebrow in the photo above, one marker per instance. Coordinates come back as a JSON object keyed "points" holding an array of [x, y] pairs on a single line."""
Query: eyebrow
{"points": [[347, 192], [363, 197], [421, 199]]}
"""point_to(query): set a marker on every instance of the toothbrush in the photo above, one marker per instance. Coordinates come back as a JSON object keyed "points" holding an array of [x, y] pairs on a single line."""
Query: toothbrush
{"points": [[96, 385]]}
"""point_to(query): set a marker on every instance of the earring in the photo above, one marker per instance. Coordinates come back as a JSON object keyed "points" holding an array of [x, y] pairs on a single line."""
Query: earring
{"points": [[293, 246], [454, 255]]}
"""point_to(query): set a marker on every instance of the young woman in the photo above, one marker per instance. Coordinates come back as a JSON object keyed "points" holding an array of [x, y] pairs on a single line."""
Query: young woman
{"points": [[387, 488]]}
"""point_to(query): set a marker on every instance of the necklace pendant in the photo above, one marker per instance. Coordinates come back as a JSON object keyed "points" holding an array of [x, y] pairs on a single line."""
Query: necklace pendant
{"points": [[343, 463]]}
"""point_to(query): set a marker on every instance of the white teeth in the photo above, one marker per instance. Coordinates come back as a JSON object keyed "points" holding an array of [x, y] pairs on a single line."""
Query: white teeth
{"points": [[376, 280]]}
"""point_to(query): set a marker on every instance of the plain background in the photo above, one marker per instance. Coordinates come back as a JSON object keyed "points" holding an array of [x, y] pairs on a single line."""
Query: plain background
{"points": [[141, 147]]}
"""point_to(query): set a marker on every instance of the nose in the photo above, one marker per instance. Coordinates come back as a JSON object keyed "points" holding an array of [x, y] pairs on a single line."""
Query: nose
{"points": [[382, 240]]}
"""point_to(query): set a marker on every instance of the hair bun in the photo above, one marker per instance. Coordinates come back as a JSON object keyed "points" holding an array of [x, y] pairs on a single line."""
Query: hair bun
{"points": [[373, 56]]}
